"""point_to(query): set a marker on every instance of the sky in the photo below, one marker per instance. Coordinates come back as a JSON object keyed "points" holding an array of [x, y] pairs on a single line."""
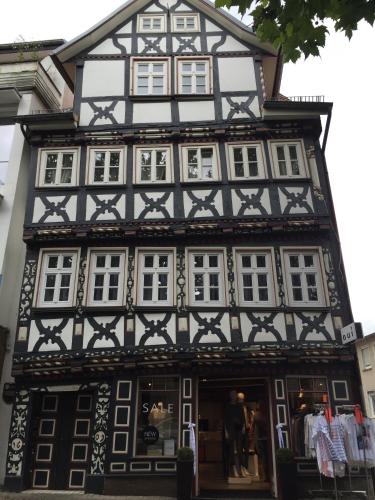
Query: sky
{"points": [[344, 74]]}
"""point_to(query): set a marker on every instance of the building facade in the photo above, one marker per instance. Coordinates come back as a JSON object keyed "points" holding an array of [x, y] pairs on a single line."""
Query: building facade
{"points": [[365, 349], [28, 81], [181, 244]]}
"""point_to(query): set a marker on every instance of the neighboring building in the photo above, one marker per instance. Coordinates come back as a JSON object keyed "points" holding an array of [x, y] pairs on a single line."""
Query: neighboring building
{"points": [[181, 244], [366, 362], [28, 81]]}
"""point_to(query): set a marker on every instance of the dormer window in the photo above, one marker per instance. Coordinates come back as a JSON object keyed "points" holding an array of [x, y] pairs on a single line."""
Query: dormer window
{"points": [[185, 23], [151, 23]]}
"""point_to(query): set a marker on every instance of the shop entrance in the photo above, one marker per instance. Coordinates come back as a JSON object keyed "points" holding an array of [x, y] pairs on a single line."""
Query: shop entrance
{"points": [[59, 440], [234, 438]]}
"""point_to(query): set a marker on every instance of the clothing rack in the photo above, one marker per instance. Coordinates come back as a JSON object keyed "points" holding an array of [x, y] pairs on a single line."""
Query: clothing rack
{"points": [[324, 407]]}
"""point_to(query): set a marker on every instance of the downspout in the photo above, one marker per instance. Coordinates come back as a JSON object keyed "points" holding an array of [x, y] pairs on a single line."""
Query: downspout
{"points": [[278, 73], [329, 116]]}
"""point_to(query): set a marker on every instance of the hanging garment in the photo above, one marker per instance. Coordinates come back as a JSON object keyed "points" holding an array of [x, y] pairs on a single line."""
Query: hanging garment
{"points": [[309, 442], [330, 453]]}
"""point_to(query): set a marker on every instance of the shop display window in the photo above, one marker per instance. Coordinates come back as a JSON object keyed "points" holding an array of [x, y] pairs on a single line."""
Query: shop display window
{"points": [[158, 416], [305, 395]]}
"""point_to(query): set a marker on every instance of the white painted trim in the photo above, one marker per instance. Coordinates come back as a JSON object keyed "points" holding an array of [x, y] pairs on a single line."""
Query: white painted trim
{"points": [[186, 29], [49, 459], [116, 424], [262, 164], [193, 59], [42, 156], [72, 486], [163, 23], [216, 169], [88, 427], [90, 159], [129, 382], [45, 485], [334, 382], [301, 154], [169, 177], [167, 73], [117, 451], [75, 445]]}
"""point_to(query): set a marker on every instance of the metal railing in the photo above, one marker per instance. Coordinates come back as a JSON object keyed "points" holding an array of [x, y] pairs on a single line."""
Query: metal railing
{"points": [[299, 98]]}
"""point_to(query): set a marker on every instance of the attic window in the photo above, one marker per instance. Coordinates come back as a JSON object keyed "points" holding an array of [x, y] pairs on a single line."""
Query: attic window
{"points": [[185, 23], [151, 23]]}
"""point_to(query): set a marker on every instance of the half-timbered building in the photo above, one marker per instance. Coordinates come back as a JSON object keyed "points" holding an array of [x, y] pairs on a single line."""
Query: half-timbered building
{"points": [[181, 244]]}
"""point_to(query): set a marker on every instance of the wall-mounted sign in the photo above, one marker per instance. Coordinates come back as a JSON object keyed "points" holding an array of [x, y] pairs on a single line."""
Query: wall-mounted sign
{"points": [[150, 435], [351, 332]]}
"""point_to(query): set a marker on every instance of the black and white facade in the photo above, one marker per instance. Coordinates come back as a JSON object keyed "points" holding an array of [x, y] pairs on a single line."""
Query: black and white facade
{"points": [[180, 232]]}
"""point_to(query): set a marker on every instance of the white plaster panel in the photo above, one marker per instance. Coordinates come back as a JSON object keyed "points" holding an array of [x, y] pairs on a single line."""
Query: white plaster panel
{"points": [[87, 113], [250, 194], [199, 333], [152, 112], [65, 335], [153, 8], [141, 329], [167, 4], [126, 43], [210, 26], [195, 111], [236, 74], [142, 46], [216, 203], [211, 40], [315, 334], [253, 107], [127, 28], [264, 334], [298, 209], [187, 50], [116, 331], [103, 78], [70, 209], [183, 7], [105, 47], [232, 45], [92, 206], [140, 205]]}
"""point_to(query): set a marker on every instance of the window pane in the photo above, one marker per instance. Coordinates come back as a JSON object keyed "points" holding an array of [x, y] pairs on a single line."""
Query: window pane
{"points": [[161, 173], [296, 280], [66, 176], [145, 173], [65, 280], [187, 67], [262, 280], [100, 261], [114, 159], [238, 162], [261, 261], [158, 68], [51, 161], [297, 294], [147, 294], [293, 260], [214, 280], [163, 279], [313, 294], [99, 159], [98, 294], [248, 294], [310, 279], [67, 261], [162, 294], [163, 261], [247, 280], [213, 261], [112, 294], [198, 260], [142, 68], [67, 160], [50, 280], [263, 294], [149, 261], [309, 260], [113, 279], [64, 295], [99, 280], [50, 176], [200, 67], [99, 175], [48, 295], [115, 261], [214, 294], [52, 261], [148, 279], [281, 160], [294, 160], [113, 174], [246, 260]]}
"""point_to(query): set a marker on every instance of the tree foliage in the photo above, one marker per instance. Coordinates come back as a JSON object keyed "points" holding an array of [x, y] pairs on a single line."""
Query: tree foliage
{"points": [[299, 27]]}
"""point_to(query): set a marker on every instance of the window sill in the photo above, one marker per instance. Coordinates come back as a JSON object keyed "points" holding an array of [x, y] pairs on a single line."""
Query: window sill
{"points": [[41, 310], [194, 97], [153, 184], [214, 182], [148, 98], [367, 368], [61, 187], [103, 308], [154, 308]]}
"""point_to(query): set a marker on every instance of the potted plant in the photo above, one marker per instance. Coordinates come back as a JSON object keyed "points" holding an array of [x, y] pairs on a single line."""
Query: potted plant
{"points": [[286, 474], [185, 460]]}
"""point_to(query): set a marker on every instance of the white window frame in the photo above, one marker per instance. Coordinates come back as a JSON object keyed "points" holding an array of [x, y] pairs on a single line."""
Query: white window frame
{"points": [[89, 293], [152, 17], [317, 268], [140, 254], [334, 383], [221, 270], [137, 164], [185, 29], [366, 366], [42, 163], [208, 74], [135, 61], [261, 163], [90, 168], [269, 270], [371, 400], [185, 166], [42, 273], [301, 156]]}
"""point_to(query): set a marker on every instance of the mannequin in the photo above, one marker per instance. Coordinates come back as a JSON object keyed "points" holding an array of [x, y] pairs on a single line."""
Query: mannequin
{"points": [[234, 428], [245, 436]]}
